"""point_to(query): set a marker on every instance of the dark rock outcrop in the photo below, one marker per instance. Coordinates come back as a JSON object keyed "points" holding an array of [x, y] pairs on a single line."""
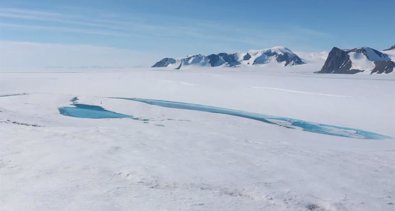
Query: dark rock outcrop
{"points": [[230, 59], [383, 67], [247, 57], [165, 62], [339, 61], [289, 59], [281, 55], [195, 60]]}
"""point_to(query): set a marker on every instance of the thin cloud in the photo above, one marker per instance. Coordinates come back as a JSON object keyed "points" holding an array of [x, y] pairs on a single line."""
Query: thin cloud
{"points": [[88, 25], [62, 29], [212, 33], [58, 56]]}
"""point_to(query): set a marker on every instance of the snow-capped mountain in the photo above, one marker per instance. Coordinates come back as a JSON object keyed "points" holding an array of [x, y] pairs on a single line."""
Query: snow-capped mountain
{"points": [[280, 55], [365, 59]]}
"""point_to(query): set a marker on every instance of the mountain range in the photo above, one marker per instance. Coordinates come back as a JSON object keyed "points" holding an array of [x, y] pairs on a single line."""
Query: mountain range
{"points": [[281, 55], [341, 61]]}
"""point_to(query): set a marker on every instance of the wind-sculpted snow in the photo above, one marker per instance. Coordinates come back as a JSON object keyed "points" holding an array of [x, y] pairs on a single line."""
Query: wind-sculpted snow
{"points": [[172, 159], [280, 121]]}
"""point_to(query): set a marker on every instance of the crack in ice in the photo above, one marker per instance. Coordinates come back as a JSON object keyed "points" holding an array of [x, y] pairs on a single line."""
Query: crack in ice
{"points": [[279, 121]]}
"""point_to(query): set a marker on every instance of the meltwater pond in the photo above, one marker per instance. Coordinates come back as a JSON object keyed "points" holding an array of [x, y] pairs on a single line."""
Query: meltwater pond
{"points": [[280, 121], [90, 112]]}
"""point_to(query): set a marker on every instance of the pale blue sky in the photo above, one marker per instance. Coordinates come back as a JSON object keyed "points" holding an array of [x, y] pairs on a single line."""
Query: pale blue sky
{"points": [[180, 27]]}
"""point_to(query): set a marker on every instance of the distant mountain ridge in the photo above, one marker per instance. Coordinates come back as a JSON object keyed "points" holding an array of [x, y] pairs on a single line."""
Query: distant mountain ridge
{"points": [[390, 48], [338, 61], [279, 55], [357, 60]]}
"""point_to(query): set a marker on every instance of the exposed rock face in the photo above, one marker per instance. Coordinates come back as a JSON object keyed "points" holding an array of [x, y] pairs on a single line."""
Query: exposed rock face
{"points": [[247, 57], [199, 59], [165, 62], [281, 55], [216, 60], [383, 67], [338, 61], [357, 60], [277, 55]]}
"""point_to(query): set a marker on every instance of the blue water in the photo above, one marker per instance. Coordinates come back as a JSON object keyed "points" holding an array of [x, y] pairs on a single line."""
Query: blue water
{"points": [[280, 121], [90, 112]]}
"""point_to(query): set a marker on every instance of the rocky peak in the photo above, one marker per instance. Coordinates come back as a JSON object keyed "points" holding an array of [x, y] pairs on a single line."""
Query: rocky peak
{"points": [[357, 60]]}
